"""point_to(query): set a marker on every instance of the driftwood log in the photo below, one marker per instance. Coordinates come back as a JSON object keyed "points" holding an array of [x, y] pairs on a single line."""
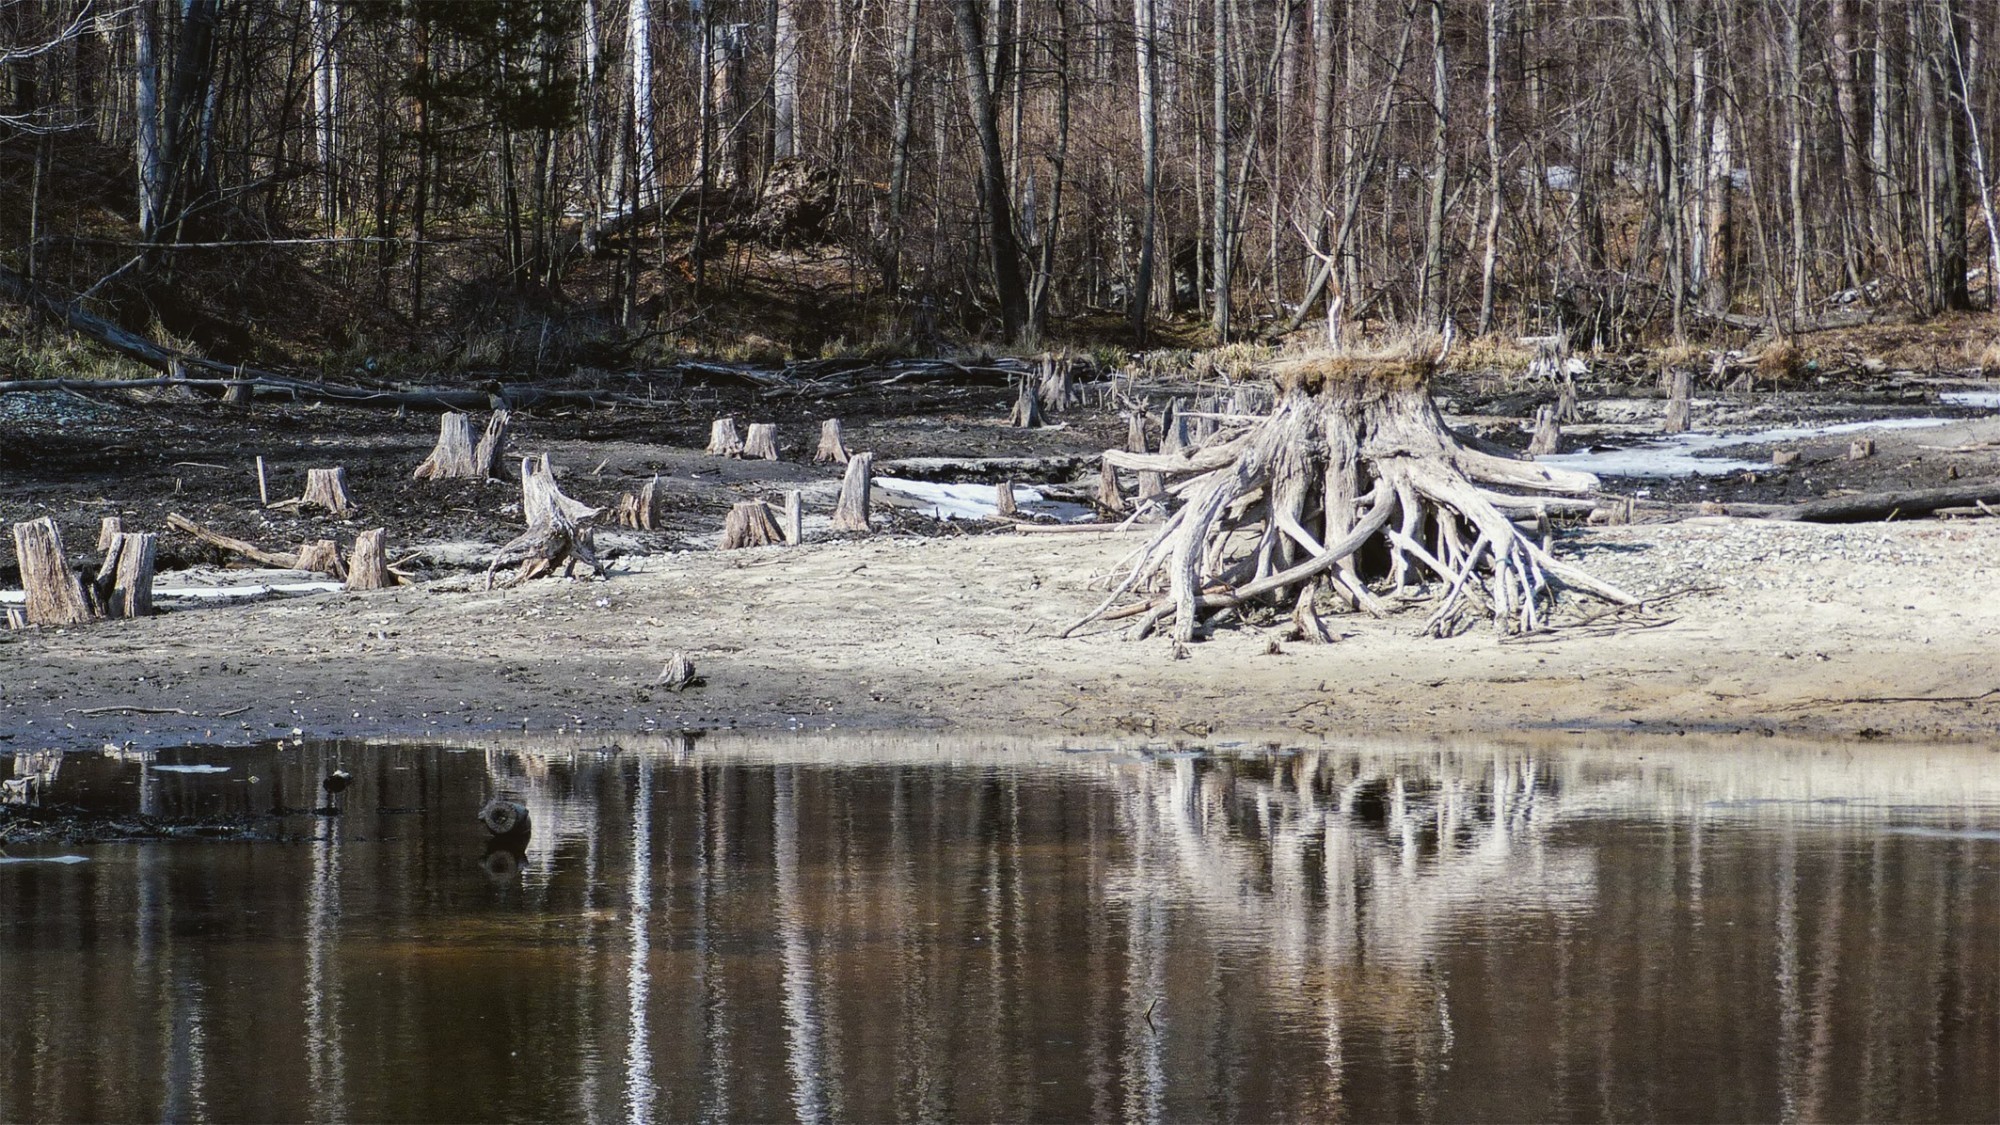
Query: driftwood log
{"points": [[851, 512], [125, 581], [231, 544], [456, 457], [1353, 455], [831, 446], [762, 441], [368, 566], [1894, 505], [750, 525], [723, 440], [55, 594]]}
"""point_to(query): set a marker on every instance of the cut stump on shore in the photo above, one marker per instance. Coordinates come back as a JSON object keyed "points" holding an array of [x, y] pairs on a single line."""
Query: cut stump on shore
{"points": [[55, 596], [832, 447], [750, 525], [851, 512]]}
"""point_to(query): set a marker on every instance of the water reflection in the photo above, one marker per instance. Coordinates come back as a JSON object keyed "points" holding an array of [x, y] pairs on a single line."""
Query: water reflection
{"points": [[816, 929]]}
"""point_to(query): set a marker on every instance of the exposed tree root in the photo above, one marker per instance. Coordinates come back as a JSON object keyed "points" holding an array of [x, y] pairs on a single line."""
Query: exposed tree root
{"points": [[1352, 486]]}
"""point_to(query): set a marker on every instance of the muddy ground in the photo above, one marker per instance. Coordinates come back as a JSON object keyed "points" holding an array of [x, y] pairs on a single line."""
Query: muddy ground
{"points": [[1876, 630]]}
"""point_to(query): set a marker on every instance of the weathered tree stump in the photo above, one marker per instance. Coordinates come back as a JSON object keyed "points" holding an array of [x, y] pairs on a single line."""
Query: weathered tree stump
{"points": [[679, 673], [1135, 434], [750, 525], [1003, 500], [55, 594], [1353, 456], [1056, 382], [1174, 431], [455, 457], [1152, 486], [1860, 449], [831, 447], [558, 531], [108, 530], [1780, 458], [124, 585], [794, 521], [322, 556], [368, 566], [1567, 410], [1027, 411], [723, 440], [1109, 499], [542, 501], [851, 512], [1679, 403], [641, 509], [1548, 433], [762, 441], [326, 488], [507, 819]]}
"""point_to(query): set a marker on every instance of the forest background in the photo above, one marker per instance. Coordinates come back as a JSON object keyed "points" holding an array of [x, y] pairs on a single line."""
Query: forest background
{"points": [[526, 187]]}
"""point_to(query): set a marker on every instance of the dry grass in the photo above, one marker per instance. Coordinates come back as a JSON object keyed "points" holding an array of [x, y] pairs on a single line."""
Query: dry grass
{"points": [[1781, 361]]}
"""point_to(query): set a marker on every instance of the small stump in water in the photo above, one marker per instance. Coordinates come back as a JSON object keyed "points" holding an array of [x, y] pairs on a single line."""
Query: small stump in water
{"points": [[507, 820], [1353, 477]]}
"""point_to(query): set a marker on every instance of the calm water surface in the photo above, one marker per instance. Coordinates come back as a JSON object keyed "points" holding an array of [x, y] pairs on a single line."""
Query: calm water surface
{"points": [[765, 929]]}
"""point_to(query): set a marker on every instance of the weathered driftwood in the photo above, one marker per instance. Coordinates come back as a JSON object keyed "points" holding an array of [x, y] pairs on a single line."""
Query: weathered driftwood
{"points": [[368, 566], [55, 594], [230, 543], [1353, 456], [1679, 402], [1003, 500], [543, 547], [1109, 499], [762, 441], [723, 440], [1027, 410], [326, 488], [793, 522], [1548, 432], [1152, 486], [124, 586], [322, 556], [679, 673], [831, 446], [506, 819], [851, 512], [456, 457], [108, 530], [1893, 505], [641, 509], [750, 525]]}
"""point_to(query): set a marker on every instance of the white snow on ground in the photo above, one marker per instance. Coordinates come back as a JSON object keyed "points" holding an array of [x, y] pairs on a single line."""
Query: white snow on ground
{"points": [[1684, 454], [975, 501]]}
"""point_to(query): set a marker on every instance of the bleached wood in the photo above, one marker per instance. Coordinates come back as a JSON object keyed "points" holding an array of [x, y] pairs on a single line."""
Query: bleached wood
{"points": [[851, 512], [762, 441], [794, 522], [322, 556], [55, 596], [723, 440], [542, 501], [327, 488], [108, 530], [750, 525], [1027, 411], [832, 448], [1679, 403], [1109, 498], [1548, 433], [1003, 500], [368, 566], [125, 581]]}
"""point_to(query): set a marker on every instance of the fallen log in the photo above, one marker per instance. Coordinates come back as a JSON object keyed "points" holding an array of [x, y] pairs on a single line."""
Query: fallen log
{"points": [[1892, 505], [231, 544]]}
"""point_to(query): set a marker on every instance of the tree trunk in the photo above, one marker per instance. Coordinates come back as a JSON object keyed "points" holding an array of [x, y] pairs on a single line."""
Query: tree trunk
{"points": [[1005, 252], [1496, 16], [151, 150], [899, 147], [785, 59], [1149, 170], [326, 488], [851, 513], [645, 147], [54, 594], [455, 457], [1431, 291], [1218, 142]]}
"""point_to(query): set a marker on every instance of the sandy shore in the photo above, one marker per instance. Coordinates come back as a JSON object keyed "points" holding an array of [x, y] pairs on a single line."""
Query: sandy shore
{"points": [[1807, 631]]}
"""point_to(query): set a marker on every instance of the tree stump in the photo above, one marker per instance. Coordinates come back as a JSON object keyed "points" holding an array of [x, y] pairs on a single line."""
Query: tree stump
{"points": [[1861, 449], [1003, 500], [1027, 411], [326, 488], [108, 530], [1355, 478], [506, 819], [679, 673], [455, 457], [762, 441], [125, 581], [1548, 433], [831, 447], [641, 509], [851, 513], [322, 556], [542, 501], [1135, 434], [1174, 431], [723, 440], [1152, 486], [55, 595], [368, 566], [1109, 499], [1679, 403], [749, 525], [794, 523], [1056, 383], [1780, 458], [1567, 410]]}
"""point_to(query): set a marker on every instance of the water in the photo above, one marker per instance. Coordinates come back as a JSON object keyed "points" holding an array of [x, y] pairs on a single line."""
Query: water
{"points": [[769, 929]]}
